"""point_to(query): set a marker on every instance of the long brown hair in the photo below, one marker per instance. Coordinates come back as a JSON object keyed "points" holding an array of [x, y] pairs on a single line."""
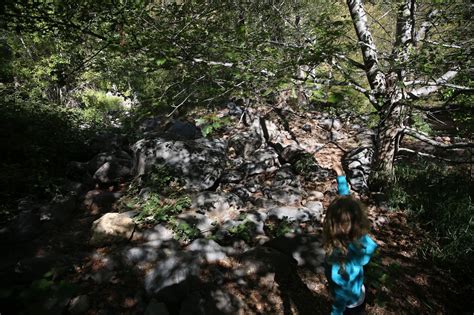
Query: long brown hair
{"points": [[345, 222]]}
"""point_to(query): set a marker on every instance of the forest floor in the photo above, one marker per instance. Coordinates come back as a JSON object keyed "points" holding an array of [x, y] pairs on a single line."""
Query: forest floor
{"points": [[398, 279]]}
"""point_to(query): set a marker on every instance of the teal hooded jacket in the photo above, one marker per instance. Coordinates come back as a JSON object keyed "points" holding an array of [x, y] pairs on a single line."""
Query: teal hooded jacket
{"points": [[346, 283]]}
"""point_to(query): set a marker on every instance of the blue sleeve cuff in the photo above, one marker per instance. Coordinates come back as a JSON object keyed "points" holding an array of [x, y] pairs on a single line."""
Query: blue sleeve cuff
{"points": [[342, 186]]}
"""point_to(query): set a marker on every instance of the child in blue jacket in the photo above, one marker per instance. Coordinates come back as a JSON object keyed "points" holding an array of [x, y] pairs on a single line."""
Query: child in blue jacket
{"points": [[348, 249]]}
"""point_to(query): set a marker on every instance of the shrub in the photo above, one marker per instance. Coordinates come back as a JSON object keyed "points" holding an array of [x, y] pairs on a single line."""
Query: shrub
{"points": [[157, 208], [277, 228], [439, 198], [211, 122], [37, 140], [244, 231]]}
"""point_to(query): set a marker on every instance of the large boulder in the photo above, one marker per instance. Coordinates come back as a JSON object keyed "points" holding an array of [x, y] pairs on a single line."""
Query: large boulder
{"points": [[292, 214], [180, 265], [111, 172], [112, 227], [110, 167], [198, 162], [209, 201], [260, 161], [285, 195], [245, 143], [183, 130]]}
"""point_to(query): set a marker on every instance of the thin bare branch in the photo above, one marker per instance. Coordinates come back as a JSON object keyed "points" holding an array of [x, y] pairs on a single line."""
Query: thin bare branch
{"points": [[425, 138], [432, 156]]}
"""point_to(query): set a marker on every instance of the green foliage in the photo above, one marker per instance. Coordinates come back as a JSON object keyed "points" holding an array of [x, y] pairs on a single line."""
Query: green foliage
{"points": [[161, 179], [439, 197], [159, 209], [277, 228], [419, 122], [211, 123], [306, 164], [93, 99], [244, 231], [184, 231], [38, 139]]}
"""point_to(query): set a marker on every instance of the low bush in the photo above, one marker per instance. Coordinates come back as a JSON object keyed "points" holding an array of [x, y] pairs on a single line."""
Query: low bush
{"points": [[37, 139], [439, 197]]}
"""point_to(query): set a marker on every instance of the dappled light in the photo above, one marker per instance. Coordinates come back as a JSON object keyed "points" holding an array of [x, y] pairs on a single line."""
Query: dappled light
{"points": [[236, 157]]}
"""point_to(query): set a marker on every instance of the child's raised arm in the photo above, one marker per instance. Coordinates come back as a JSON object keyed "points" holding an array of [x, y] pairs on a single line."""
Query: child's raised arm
{"points": [[342, 186]]}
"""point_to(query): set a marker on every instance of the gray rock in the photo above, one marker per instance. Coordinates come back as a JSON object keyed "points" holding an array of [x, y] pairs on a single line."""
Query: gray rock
{"points": [[76, 170], [291, 214], [149, 124], [209, 250], [79, 304], [202, 222], [215, 201], [258, 218], [100, 201], [242, 193], [106, 141], [316, 195], [286, 177], [73, 188], [336, 135], [231, 176], [265, 260], [234, 109], [357, 164], [111, 172], [194, 304], [60, 211], [111, 227], [316, 207], [285, 196], [172, 270], [180, 130], [264, 203], [159, 232], [245, 143], [306, 250], [261, 161], [146, 253], [307, 128], [199, 162], [225, 302], [331, 123]]}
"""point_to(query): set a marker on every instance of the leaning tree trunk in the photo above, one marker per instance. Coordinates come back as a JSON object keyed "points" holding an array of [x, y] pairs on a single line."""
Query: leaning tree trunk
{"points": [[388, 137]]}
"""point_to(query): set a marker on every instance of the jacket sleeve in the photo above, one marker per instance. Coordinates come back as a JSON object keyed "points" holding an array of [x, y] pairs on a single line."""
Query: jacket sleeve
{"points": [[361, 255], [342, 186], [344, 289]]}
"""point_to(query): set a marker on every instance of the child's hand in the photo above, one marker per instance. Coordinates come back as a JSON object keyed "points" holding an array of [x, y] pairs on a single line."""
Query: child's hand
{"points": [[337, 167]]}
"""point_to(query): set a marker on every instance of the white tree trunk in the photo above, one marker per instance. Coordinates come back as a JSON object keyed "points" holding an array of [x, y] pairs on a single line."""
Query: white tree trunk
{"points": [[375, 76]]}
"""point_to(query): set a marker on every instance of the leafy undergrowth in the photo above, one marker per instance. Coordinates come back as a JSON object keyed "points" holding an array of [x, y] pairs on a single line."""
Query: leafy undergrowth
{"points": [[402, 281], [439, 197]]}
